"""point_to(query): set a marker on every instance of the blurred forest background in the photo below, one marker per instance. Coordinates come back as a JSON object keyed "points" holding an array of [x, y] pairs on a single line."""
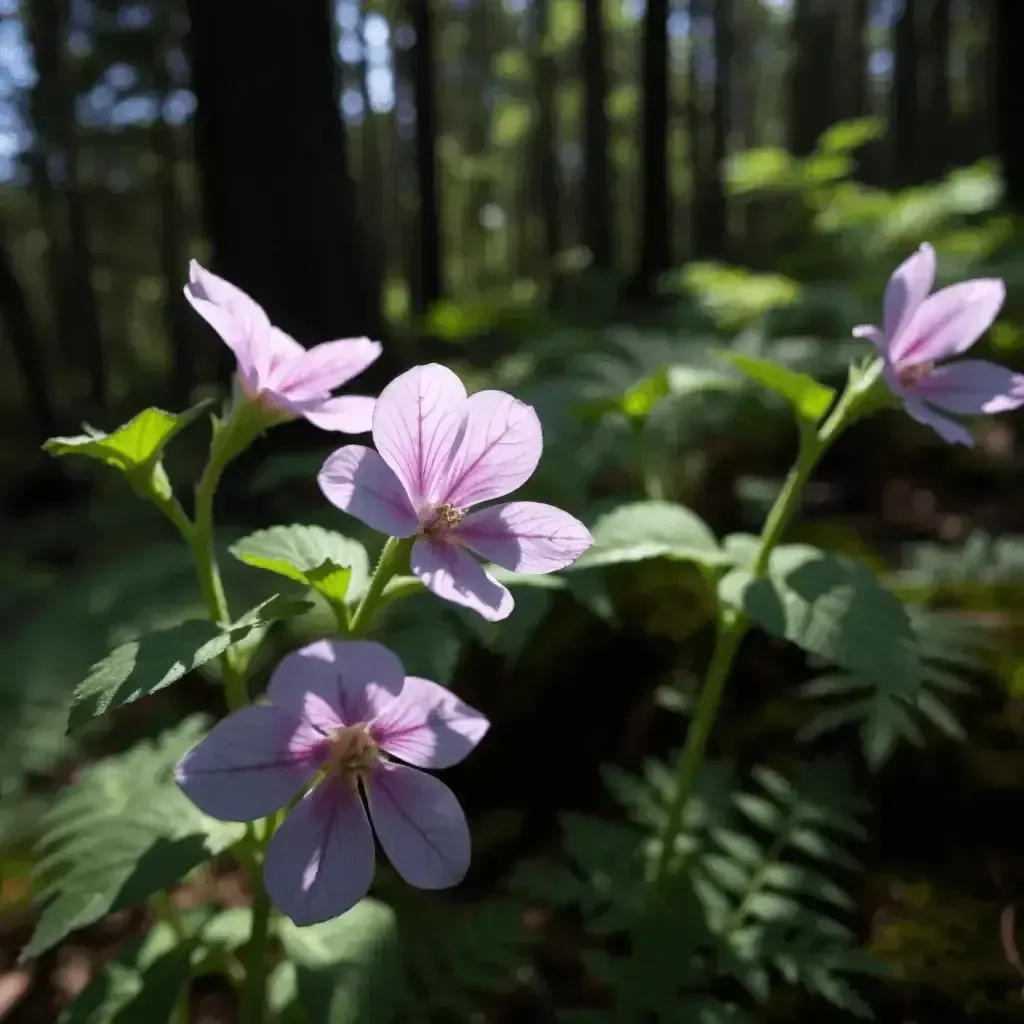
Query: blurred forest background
{"points": [[581, 201]]}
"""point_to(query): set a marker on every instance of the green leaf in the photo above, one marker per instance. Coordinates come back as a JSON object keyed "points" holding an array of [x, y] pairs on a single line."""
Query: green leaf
{"points": [[642, 530], [809, 398], [832, 607], [347, 970], [141, 984], [120, 833], [336, 566], [136, 444], [156, 660]]}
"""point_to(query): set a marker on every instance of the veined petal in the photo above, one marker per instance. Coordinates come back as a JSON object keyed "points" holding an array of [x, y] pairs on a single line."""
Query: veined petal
{"points": [[357, 480], [414, 428], [251, 763], [949, 430], [525, 536], [347, 414], [908, 287], [356, 679], [454, 575], [420, 825], [320, 862], [428, 726], [499, 447], [238, 319], [276, 352], [971, 387], [323, 368], [949, 322]]}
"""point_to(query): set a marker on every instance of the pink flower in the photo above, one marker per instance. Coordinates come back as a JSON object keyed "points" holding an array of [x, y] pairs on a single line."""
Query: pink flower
{"points": [[921, 330], [339, 709], [276, 369], [440, 453]]}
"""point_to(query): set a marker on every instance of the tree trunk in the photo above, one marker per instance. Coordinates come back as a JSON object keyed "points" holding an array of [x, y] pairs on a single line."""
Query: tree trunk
{"points": [[279, 200], [598, 203], [1008, 32]]}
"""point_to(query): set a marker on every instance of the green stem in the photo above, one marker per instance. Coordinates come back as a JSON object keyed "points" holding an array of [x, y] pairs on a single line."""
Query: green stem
{"points": [[208, 572], [167, 912], [388, 565], [732, 624], [254, 988]]}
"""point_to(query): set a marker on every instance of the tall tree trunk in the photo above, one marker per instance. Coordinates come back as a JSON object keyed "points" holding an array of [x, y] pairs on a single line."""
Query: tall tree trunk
{"points": [[429, 288], [812, 81], [280, 209], [1008, 35], [906, 98], [655, 199], [598, 202], [26, 346]]}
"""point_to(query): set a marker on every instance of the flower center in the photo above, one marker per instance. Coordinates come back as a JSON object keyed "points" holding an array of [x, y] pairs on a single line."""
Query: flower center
{"points": [[437, 522], [911, 375], [353, 753]]}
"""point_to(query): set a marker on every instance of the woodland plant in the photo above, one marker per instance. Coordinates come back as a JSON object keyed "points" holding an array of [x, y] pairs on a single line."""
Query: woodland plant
{"points": [[715, 876]]}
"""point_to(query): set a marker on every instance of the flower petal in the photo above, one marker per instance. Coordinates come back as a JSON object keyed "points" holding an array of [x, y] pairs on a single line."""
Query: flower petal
{"points": [[251, 763], [872, 333], [456, 576], [429, 726], [949, 430], [414, 426], [420, 825], [971, 387], [356, 679], [320, 862], [908, 287], [238, 319], [525, 536], [498, 451], [357, 480], [324, 367], [348, 414], [949, 322]]}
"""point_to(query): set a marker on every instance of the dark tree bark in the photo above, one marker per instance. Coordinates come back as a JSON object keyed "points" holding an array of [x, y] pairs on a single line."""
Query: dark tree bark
{"points": [[939, 120], [278, 196], [598, 202], [1008, 33], [906, 98], [655, 197], [26, 346], [813, 90], [428, 287]]}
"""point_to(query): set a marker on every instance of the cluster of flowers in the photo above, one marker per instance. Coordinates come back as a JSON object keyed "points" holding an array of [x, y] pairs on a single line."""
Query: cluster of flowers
{"points": [[339, 711]]}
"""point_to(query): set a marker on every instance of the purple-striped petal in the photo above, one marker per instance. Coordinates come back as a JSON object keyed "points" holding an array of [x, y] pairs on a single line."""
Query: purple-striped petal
{"points": [[320, 861], [359, 482], [416, 424], [499, 448], [429, 726], [420, 826], [251, 764], [346, 414], [972, 387], [949, 322], [908, 287], [949, 430], [452, 574], [525, 536], [323, 368], [356, 679]]}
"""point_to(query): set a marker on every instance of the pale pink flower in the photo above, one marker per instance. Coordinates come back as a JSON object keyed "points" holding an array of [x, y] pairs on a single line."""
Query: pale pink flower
{"points": [[440, 453], [337, 710], [274, 368], [920, 330]]}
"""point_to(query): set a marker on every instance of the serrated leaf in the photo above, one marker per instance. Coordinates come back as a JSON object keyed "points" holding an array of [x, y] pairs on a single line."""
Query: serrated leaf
{"points": [[334, 565], [155, 661], [832, 607], [121, 832], [135, 444], [809, 398], [642, 530], [347, 970]]}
